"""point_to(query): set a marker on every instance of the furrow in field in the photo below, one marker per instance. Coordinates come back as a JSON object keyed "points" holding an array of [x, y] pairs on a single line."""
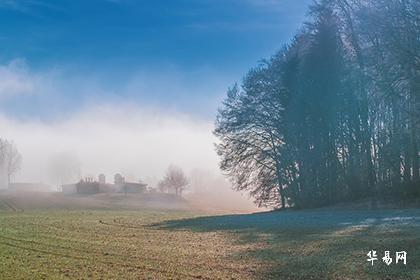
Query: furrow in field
{"points": [[17, 243]]}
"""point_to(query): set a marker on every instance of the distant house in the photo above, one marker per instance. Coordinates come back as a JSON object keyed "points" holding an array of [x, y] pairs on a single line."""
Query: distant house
{"points": [[30, 187], [89, 186], [106, 188], [121, 185]]}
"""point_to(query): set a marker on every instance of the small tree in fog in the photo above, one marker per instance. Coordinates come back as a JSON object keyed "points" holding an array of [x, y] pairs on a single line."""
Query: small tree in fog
{"points": [[2, 160], [12, 159], [174, 179], [3, 144]]}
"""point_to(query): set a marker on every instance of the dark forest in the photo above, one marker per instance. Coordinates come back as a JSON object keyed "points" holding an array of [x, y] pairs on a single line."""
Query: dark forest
{"points": [[334, 115]]}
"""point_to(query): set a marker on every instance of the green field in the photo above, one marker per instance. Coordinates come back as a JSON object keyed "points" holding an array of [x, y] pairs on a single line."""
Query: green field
{"points": [[168, 244]]}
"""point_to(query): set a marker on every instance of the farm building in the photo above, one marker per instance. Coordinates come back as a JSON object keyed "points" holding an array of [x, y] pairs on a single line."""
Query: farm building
{"points": [[84, 186], [89, 186]]}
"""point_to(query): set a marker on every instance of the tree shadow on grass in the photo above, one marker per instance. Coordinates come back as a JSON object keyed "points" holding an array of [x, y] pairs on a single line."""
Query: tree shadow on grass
{"points": [[317, 244]]}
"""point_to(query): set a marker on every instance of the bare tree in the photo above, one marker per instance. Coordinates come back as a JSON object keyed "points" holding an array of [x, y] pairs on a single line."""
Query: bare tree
{"points": [[174, 179], [3, 143], [12, 159], [2, 161]]}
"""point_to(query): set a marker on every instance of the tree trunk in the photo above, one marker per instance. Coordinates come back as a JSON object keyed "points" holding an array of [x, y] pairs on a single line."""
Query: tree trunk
{"points": [[414, 107], [364, 114], [283, 200]]}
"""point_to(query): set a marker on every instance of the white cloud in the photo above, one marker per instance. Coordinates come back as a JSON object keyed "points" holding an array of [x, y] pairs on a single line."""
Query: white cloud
{"points": [[15, 79], [62, 90]]}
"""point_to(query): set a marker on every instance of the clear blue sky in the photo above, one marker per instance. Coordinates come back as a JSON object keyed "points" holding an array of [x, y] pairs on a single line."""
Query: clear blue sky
{"points": [[181, 54]]}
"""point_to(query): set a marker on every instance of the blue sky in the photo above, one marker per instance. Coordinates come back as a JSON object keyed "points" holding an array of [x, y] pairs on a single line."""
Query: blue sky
{"points": [[177, 55], [128, 86]]}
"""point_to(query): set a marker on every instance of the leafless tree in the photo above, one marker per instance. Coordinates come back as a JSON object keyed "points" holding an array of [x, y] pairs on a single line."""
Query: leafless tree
{"points": [[2, 161], [3, 143], [11, 157], [174, 179]]}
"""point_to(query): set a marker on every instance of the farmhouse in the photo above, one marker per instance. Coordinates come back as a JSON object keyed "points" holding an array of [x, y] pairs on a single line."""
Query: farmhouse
{"points": [[90, 186]]}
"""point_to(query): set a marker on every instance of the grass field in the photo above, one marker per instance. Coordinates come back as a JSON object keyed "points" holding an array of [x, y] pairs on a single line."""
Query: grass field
{"points": [[168, 244]]}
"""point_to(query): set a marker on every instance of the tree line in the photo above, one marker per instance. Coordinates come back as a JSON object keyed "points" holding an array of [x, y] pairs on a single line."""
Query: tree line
{"points": [[332, 116]]}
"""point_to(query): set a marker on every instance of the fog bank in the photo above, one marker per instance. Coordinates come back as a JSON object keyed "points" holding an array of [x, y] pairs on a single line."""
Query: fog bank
{"points": [[113, 138]]}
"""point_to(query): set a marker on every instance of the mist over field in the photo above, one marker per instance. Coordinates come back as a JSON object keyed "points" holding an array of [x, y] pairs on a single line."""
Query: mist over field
{"points": [[137, 143], [112, 139], [106, 136]]}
